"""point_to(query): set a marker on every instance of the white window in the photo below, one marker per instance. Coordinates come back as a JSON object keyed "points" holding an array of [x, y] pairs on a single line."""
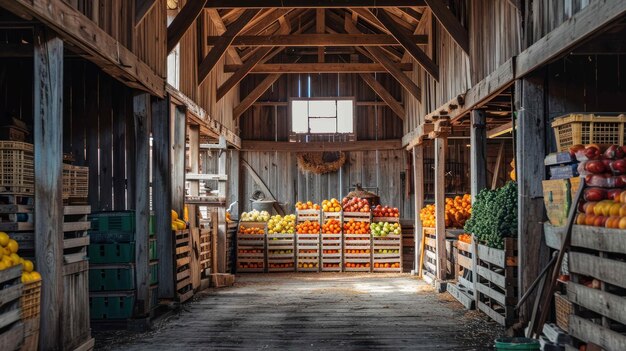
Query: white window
{"points": [[322, 116]]}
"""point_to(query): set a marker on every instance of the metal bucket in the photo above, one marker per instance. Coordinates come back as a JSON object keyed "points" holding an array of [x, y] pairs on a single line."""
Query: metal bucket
{"points": [[263, 205]]}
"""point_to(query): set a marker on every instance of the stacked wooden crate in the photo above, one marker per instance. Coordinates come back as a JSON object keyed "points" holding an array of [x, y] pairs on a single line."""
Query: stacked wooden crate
{"points": [[331, 244], [112, 268], [496, 281], [597, 286], [251, 246], [280, 252], [231, 240], [182, 252], [463, 288], [205, 230], [408, 246], [11, 326], [357, 248], [308, 244], [387, 250], [429, 265]]}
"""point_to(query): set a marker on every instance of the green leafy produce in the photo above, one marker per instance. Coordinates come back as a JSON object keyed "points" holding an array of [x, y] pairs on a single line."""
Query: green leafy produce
{"points": [[494, 216]]}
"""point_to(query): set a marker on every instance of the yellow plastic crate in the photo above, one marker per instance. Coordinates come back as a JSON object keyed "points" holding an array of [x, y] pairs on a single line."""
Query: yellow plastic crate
{"points": [[585, 129]]}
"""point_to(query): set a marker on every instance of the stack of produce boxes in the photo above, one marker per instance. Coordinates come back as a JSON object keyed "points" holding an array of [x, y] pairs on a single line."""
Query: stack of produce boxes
{"points": [[386, 240], [356, 234], [112, 266], [331, 239], [251, 241], [280, 243], [308, 236]]}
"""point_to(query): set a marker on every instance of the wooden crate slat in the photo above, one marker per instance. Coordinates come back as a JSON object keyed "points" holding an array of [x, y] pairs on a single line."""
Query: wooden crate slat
{"points": [[604, 269], [492, 255], [601, 302], [463, 246], [590, 332], [430, 266], [466, 283], [9, 317], [496, 295], [10, 294], [495, 316], [10, 339], [461, 295], [496, 278], [464, 262]]}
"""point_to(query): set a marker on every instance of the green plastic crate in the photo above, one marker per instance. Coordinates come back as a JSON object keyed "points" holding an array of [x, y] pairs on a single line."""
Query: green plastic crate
{"points": [[112, 305], [112, 277], [117, 252], [118, 221]]}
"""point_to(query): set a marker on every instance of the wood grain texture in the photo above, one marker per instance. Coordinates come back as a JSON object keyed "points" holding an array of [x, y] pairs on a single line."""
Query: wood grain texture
{"points": [[478, 153]]}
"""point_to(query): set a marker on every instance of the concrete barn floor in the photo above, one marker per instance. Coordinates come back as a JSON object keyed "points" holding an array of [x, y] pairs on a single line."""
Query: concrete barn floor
{"points": [[325, 311]]}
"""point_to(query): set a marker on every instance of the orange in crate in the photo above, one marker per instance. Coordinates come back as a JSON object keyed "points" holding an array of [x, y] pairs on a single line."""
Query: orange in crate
{"points": [[332, 226], [354, 227], [308, 227]]}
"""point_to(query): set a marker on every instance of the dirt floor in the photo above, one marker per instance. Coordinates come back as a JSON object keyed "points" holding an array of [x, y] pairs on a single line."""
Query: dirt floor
{"points": [[325, 311]]}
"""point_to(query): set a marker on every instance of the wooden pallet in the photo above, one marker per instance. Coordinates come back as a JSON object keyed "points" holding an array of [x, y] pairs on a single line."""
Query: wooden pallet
{"points": [[75, 233], [393, 245], [184, 286], [599, 315], [496, 281], [280, 252], [463, 288], [255, 261]]}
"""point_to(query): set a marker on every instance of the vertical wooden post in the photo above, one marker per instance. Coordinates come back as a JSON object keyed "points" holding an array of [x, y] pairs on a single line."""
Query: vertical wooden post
{"points": [[142, 112], [533, 254], [222, 168], [194, 210], [48, 141], [418, 182], [178, 127], [478, 155], [441, 145], [162, 195]]}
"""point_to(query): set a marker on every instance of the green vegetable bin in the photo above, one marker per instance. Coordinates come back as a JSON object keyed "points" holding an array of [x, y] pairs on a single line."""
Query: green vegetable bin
{"points": [[515, 344]]}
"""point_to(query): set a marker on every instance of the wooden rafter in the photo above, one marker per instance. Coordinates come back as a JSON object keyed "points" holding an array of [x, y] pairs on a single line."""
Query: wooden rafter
{"points": [[231, 15], [389, 65], [262, 22], [142, 7], [320, 40], [450, 23], [209, 62], [183, 20], [221, 29], [384, 94], [252, 4], [255, 94], [362, 145], [420, 56], [320, 28], [327, 67]]}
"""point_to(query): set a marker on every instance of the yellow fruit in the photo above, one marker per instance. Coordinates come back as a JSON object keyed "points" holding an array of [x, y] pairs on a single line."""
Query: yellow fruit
{"points": [[4, 239], [28, 266], [7, 261], [15, 259], [174, 215], [3, 266], [35, 276], [13, 246], [26, 277], [174, 226]]}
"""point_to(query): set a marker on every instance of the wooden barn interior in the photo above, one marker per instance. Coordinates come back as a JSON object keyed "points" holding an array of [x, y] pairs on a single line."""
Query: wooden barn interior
{"points": [[173, 174]]}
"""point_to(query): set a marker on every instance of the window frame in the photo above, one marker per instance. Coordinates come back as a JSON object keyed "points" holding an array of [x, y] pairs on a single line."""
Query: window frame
{"points": [[298, 135]]}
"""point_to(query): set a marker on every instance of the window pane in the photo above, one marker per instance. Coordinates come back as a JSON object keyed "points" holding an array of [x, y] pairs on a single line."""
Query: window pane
{"points": [[323, 125], [299, 123], [322, 108], [345, 116]]}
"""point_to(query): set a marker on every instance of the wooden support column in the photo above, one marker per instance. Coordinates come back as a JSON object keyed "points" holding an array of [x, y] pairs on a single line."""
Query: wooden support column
{"points": [[533, 253], [478, 152], [222, 168], [441, 146], [162, 195], [178, 130], [48, 141], [194, 210], [142, 115], [418, 182]]}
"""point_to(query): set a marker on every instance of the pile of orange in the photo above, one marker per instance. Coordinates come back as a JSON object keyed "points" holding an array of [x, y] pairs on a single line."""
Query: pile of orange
{"points": [[307, 265], [280, 265], [307, 206], [307, 251], [354, 227], [466, 238], [250, 251], [308, 227], [331, 205], [331, 265], [251, 230], [387, 265], [332, 226], [457, 211], [357, 251], [357, 265], [331, 252], [251, 265]]}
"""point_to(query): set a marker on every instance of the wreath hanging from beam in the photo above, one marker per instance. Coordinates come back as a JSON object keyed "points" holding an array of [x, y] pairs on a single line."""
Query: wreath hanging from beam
{"points": [[321, 162]]}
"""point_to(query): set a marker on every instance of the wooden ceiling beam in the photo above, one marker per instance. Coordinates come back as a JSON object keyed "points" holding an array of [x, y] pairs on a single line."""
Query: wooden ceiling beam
{"points": [[312, 146], [450, 23], [262, 22], [230, 16], [183, 20], [369, 18], [142, 7], [255, 94], [221, 29], [320, 28], [327, 67], [412, 13], [209, 62], [257, 4], [420, 56], [379, 89], [320, 40], [389, 65]]}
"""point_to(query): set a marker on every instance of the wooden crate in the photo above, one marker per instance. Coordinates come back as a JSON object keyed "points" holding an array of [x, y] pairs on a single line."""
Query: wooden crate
{"points": [[231, 250], [599, 315], [308, 215], [360, 243], [280, 253], [205, 249], [10, 309], [557, 198], [17, 172], [496, 281], [393, 245], [586, 129], [184, 286], [463, 288], [251, 248], [75, 233], [408, 246], [429, 265], [75, 316], [75, 183], [331, 256], [308, 252]]}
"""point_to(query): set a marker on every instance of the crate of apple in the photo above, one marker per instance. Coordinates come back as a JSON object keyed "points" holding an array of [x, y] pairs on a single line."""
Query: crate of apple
{"points": [[386, 214], [355, 204], [383, 229], [281, 224]]}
